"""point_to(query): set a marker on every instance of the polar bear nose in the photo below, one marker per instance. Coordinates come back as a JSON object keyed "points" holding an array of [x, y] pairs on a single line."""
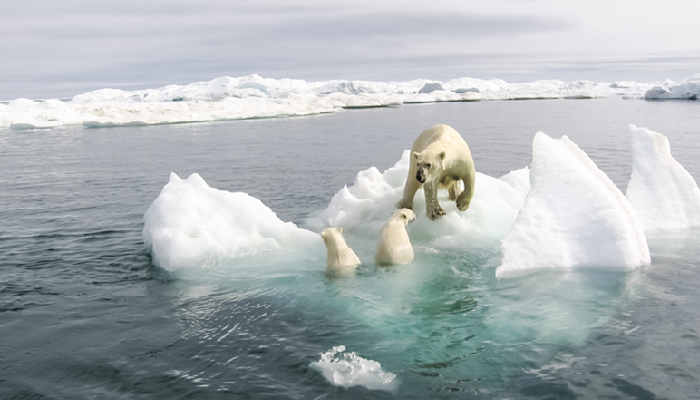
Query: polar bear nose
{"points": [[420, 177]]}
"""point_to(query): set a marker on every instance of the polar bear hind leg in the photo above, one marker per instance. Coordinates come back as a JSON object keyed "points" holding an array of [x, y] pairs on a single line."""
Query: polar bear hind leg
{"points": [[454, 188], [465, 198]]}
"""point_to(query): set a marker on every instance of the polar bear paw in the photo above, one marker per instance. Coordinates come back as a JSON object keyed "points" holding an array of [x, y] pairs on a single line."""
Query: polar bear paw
{"points": [[435, 213], [404, 203], [463, 203]]}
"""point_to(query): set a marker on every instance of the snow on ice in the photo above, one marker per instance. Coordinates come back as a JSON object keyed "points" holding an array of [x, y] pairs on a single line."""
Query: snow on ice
{"points": [[252, 96]]}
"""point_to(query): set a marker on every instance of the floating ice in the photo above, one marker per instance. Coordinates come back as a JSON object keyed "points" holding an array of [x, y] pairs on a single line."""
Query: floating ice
{"points": [[349, 369], [661, 191], [364, 207], [191, 224], [252, 96], [689, 89], [573, 216]]}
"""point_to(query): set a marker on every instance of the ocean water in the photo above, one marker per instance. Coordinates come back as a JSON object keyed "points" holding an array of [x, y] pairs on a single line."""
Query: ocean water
{"points": [[84, 313]]}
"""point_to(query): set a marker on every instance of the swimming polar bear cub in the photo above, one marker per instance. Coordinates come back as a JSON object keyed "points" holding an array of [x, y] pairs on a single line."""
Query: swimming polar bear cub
{"points": [[340, 256], [394, 244], [440, 158]]}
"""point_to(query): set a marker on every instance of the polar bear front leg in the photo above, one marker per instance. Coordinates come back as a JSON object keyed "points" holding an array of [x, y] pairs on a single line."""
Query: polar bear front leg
{"points": [[432, 205], [409, 192]]}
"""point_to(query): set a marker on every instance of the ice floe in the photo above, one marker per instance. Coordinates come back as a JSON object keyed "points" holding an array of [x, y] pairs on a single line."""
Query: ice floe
{"points": [[191, 224], [573, 216], [664, 195], [688, 89], [560, 213], [228, 98]]}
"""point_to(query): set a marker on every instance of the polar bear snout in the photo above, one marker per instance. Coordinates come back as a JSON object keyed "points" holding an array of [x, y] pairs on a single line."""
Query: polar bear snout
{"points": [[420, 176]]}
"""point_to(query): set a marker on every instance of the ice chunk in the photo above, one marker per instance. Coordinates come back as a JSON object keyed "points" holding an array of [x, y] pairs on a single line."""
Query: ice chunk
{"points": [[191, 224], [573, 217], [35, 125], [430, 87], [689, 89], [349, 369], [364, 207], [22, 103], [519, 180], [662, 192]]}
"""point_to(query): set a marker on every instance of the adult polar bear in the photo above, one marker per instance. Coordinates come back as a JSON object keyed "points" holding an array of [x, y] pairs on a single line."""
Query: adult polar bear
{"points": [[440, 158]]}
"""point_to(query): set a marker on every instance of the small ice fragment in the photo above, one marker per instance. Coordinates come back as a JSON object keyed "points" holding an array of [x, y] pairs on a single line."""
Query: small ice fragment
{"points": [[349, 369]]}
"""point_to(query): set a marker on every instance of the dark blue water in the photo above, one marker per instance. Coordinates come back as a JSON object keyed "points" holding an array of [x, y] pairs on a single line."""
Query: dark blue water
{"points": [[85, 314]]}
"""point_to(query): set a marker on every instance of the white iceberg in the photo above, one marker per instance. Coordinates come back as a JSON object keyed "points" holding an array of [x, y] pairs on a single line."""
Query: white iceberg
{"points": [[349, 369], [191, 224], [664, 195], [573, 217], [689, 89]]}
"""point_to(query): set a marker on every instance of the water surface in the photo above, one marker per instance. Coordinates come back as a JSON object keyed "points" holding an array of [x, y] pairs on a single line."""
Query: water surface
{"points": [[84, 313]]}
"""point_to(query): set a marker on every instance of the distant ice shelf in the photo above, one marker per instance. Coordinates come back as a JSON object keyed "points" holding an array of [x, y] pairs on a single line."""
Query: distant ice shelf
{"points": [[252, 96]]}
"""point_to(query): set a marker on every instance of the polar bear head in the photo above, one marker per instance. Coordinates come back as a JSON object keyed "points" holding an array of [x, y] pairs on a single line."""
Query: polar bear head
{"points": [[404, 215], [333, 236], [428, 165]]}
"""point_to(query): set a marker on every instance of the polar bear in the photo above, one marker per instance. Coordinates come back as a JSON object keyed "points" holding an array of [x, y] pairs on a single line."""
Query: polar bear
{"points": [[440, 158], [340, 256], [394, 244]]}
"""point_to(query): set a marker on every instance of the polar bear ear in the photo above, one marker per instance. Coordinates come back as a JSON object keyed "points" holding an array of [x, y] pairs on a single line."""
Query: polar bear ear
{"points": [[415, 155], [441, 156]]}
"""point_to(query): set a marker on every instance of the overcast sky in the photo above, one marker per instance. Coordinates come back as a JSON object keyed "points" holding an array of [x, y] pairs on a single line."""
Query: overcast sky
{"points": [[57, 48]]}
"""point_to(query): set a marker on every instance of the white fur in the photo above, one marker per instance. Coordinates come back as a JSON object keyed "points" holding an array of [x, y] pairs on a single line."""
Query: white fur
{"points": [[340, 256], [394, 244], [442, 158]]}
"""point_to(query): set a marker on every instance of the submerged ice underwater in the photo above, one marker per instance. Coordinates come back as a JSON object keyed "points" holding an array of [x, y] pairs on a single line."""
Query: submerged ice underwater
{"points": [[560, 281]]}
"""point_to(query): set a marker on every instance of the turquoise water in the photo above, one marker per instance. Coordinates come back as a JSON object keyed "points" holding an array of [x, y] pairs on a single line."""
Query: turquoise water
{"points": [[85, 314]]}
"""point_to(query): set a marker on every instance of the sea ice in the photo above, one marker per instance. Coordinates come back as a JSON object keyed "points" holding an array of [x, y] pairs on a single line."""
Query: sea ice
{"points": [[364, 207], [191, 224], [664, 195], [227, 98], [573, 217], [349, 369], [689, 89]]}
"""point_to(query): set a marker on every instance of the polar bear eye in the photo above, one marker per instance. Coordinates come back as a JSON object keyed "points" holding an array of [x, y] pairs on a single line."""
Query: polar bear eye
{"points": [[427, 165]]}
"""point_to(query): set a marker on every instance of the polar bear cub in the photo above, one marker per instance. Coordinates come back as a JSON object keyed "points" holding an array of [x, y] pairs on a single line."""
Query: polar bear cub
{"points": [[340, 256], [394, 244], [440, 158]]}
